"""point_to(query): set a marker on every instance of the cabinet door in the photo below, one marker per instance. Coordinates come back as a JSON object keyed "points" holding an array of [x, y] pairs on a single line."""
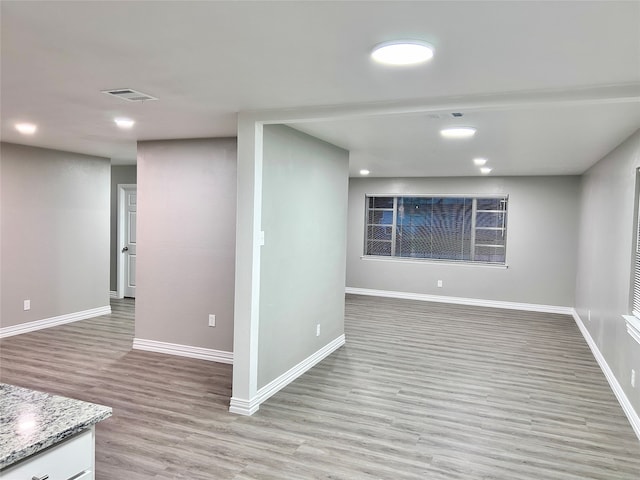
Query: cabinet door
{"points": [[71, 459]]}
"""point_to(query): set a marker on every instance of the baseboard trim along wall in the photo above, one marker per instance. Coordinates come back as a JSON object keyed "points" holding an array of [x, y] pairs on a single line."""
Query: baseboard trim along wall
{"points": [[53, 321], [200, 353], [478, 302], [113, 294], [249, 407], [628, 409]]}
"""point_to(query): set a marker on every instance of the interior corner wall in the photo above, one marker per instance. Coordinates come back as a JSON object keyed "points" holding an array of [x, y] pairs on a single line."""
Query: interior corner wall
{"points": [[302, 264], [54, 233], [541, 237], [120, 174], [186, 241], [605, 260]]}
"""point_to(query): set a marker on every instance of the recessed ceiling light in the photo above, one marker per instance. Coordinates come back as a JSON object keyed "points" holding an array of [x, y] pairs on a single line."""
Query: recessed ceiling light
{"points": [[364, 172], [480, 161], [402, 52], [485, 170], [458, 132], [124, 122], [26, 128]]}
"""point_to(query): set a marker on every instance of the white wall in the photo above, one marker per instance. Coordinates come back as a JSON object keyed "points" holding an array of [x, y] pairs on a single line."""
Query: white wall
{"points": [[541, 239], [186, 242], [302, 273], [605, 260], [54, 233]]}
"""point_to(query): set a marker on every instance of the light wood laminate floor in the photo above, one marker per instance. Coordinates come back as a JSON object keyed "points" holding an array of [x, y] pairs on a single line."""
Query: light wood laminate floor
{"points": [[421, 391]]}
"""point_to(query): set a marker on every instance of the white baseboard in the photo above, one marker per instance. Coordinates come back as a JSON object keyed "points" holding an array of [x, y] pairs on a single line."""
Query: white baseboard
{"points": [[200, 353], [54, 321], [249, 407], [478, 302], [628, 409], [113, 294], [244, 407]]}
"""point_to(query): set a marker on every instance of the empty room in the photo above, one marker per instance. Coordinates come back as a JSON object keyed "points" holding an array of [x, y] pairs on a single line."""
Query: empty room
{"points": [[320, 240]]}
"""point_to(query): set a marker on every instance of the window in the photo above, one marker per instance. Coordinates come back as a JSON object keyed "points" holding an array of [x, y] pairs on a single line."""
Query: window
{"points": [[636, 278], [459, 229], [633, 321]]}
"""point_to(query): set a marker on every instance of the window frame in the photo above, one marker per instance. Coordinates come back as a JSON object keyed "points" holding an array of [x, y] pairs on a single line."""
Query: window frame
{"points": [[633, 320], [393, 226]]}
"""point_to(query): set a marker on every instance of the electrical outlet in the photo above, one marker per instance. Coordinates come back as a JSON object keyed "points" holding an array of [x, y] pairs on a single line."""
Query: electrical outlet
{"points": [[212, 320], [317, 330], [439, 283], [27, 305], [633, 378]]}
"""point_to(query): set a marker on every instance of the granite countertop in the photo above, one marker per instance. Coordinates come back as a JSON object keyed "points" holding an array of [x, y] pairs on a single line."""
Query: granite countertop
{"points": [[31, 421]]}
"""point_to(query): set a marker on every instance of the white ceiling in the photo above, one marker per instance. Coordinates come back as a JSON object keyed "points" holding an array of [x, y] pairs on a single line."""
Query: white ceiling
{"points": [[206, 61]]}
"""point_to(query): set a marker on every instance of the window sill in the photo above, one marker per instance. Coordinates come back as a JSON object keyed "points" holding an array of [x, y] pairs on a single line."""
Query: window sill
{"points": [[427, 261], [633, 326]]}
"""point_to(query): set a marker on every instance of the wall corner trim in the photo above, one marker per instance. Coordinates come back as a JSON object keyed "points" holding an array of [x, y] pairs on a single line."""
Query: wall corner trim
{"points": [[249, 407], [200, 353], [244, 407], [478, 302], [628, 409], [54, 321]]}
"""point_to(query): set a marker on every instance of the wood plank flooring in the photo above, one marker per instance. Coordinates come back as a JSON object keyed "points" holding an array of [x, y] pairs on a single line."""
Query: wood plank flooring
{"points": [[421, 391]]}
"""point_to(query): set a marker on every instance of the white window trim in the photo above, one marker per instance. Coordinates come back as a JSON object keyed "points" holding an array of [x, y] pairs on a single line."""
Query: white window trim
{"points": [[460, 263], [633, 326]]}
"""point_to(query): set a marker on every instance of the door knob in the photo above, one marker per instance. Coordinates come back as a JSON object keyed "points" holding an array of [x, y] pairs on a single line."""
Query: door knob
{"points": [[125, 249]]}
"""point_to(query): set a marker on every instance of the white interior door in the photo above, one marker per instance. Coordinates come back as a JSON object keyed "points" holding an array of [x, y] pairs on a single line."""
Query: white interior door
{"points": [[128, 240]]}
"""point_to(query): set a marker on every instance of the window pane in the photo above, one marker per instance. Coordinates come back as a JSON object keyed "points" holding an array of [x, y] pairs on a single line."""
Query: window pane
{"points": [[413, 241], [490, 254], [491, 203], [378, 248], [489, 237], [414, 218], [451, 227], [490, 219], [379, 233], [382, 202], [380, 217]]}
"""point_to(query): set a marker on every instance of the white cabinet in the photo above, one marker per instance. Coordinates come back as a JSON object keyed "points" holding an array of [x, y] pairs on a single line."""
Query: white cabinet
{"points": [[72, 459]]}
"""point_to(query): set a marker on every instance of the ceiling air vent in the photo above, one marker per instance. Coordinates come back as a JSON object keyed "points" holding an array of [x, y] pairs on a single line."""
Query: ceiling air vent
{"points": [[129, 95]]}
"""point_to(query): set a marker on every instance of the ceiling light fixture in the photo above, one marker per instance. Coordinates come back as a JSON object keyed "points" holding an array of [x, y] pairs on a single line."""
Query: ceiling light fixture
{"points": [[364, 172], [402, 52], [485, 170], [26, 128], [458, 132], [479, 162], [124, 122]]}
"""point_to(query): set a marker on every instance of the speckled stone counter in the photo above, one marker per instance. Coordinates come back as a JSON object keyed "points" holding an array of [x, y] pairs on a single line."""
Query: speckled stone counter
{"points": [[31, 421]]}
